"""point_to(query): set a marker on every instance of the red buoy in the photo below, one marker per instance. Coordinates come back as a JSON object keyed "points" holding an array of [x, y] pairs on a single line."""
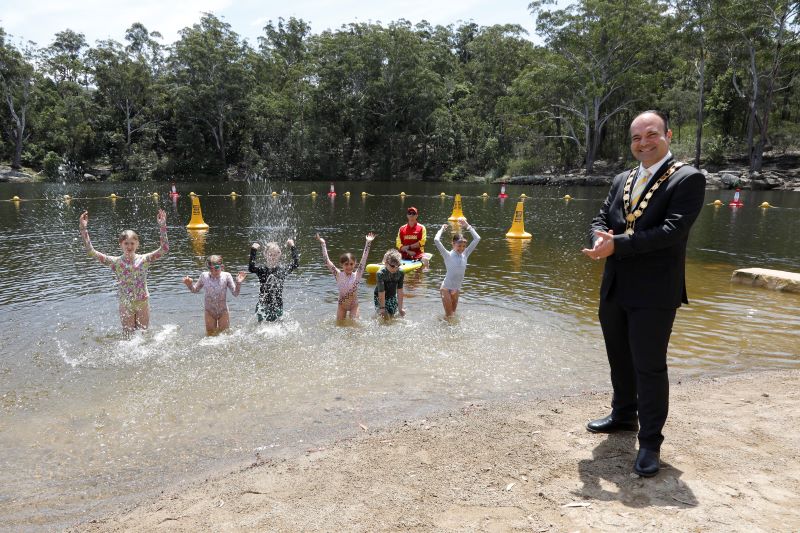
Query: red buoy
{"points": [[736, 202]]}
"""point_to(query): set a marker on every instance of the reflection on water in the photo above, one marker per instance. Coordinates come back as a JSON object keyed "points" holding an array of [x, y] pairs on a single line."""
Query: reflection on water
{"points": [[90, 421]]}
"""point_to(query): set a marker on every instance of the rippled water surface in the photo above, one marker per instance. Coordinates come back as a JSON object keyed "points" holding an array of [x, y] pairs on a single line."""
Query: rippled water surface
{"points": [[91, 421]]}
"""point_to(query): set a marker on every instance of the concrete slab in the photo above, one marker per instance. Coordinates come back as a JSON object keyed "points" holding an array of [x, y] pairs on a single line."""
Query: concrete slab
{"points": [[777, 280]]}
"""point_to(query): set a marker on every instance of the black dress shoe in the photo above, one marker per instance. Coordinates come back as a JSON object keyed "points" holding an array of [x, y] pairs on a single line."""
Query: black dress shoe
{"points": [[610, 424], [647, 463]]}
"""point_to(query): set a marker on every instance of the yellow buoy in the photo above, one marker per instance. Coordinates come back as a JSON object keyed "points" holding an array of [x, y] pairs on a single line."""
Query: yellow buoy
{"points": [[523, 196], [15, 198], [567, 197], [347, 194], [402, 193], [485, 195], [313, 194], [517, 230], [717, 203], [442, 195], [113, 196], [765, 205], [274, 194], [154, 195], [457, 213], [192, 194], [197, 221], [67, 198], [233, 195], [363, 194]]}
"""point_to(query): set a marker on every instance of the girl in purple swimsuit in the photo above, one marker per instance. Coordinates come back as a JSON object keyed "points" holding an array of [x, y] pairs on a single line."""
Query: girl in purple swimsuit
{"points": [[130, 269], [216, 283]]}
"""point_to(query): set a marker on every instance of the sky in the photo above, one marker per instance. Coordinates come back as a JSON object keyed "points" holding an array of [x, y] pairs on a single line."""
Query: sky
{"points": [[39, 20]]}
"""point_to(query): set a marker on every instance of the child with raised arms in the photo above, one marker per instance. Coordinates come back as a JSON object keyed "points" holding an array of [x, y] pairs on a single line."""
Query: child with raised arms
{"points": [[388, 295], [216, 283], [272, 276], [348, 278], [456, 262], [130, 270]]}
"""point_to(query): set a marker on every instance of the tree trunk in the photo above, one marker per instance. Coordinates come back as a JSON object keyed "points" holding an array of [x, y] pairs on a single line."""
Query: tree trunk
{"points": [[701, 103], [753, 110], [17, 162]]}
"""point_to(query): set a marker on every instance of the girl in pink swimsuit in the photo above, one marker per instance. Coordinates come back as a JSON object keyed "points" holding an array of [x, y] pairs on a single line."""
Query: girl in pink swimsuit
{"points": [[130, 269], [347, 279], [216, 283]]}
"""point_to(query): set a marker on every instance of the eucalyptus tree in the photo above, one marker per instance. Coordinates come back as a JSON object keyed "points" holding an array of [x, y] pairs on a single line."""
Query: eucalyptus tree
{"points": [[610, 52], [280, 104], [761, 35], [209, 80], [694, 17], [17, 77], [124, 78], [65, 98]]}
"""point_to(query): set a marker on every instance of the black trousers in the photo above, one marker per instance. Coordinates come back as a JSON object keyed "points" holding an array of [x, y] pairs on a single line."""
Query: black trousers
{"points": [[636, 343]]}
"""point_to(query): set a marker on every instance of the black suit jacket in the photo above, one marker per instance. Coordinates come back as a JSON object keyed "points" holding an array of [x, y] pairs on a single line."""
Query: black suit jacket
{"points": [[647, 269]]}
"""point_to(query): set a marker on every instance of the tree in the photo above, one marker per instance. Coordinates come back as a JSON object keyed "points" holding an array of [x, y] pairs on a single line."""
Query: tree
{"points": [[210, 77], [694, 17], [605, 47], [761, 33], [17, 77]]}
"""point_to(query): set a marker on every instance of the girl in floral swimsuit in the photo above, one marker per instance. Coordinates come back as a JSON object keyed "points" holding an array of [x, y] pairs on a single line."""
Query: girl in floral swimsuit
{"points": [[347, 279], [216, 283], [130, 269]]}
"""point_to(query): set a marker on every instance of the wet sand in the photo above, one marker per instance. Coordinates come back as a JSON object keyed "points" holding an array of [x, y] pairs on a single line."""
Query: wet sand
{"points": [[729, 463]]}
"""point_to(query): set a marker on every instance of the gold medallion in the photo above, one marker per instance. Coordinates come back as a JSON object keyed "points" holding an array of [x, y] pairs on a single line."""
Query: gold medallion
{"points": [[637, 213], [630, 217]]}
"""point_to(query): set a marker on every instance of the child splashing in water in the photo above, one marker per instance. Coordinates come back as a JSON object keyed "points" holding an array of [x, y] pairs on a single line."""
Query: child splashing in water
{"points": [[216, 283], [272, 276], [456, 262], [388, 296], [130, 269], [348, 278]]}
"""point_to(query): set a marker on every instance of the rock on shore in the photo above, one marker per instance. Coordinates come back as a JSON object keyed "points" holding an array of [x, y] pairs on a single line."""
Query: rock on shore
{"points": [[10, 175]]}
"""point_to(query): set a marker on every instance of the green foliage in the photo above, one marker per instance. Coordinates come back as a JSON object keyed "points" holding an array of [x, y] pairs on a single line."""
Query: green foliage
{"points": [[523, 166], [715, 149], [50, 165], [380, 101]]}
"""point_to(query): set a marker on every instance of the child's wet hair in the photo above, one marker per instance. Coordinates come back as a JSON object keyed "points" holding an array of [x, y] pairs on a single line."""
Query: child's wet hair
{"points": [[459, 237], [346, 258], [214, 259], [128, 234], [392, 256], [272, 247]]}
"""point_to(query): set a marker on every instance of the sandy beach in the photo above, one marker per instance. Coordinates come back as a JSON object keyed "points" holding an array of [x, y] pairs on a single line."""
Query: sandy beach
{"points": [[729, 463]]}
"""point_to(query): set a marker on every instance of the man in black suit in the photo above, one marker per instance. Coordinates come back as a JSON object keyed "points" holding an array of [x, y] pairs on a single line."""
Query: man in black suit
{"points": [[642, 230]]}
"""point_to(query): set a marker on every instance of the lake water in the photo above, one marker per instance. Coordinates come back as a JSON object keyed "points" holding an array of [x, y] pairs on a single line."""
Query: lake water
{"points": [[90, 422]]}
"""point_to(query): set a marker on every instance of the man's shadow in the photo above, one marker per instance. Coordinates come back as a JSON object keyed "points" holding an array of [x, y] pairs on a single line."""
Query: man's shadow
{"points": [[609, 476]]}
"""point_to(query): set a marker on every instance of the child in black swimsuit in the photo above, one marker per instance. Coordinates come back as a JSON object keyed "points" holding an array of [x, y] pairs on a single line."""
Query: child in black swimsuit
{"points": [[272, 276]]}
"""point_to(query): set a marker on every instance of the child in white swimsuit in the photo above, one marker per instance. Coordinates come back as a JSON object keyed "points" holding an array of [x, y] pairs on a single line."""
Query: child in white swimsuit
{"points": [[347, 279], [130, 269], [456, 262], [216, 283]]}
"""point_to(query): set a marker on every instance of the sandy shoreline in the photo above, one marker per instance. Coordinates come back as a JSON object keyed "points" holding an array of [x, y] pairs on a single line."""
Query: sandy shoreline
{"points": [[729, 463]]}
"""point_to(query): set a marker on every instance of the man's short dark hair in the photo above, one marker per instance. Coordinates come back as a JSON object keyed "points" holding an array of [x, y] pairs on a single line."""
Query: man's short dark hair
{"points": [[660, 114]]}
